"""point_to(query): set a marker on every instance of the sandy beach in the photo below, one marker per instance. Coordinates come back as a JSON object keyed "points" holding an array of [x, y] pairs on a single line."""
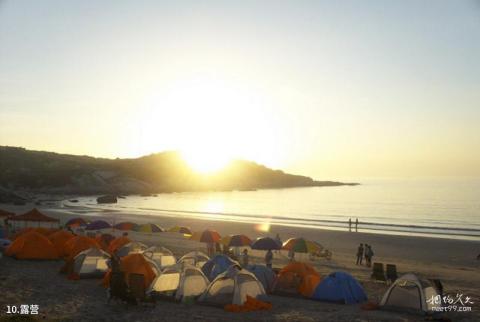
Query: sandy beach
{"points": [[452, 261]]}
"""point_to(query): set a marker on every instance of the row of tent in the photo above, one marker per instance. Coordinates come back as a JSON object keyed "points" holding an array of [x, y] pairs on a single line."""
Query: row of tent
{"points": [[299, 245], [219, 280], [125, 226]]}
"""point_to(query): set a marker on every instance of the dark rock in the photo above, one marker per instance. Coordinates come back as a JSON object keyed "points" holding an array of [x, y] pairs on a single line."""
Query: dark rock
{"points": [[107, 199]]}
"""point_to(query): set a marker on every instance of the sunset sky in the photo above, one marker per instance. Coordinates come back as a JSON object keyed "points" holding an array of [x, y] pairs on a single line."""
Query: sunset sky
{"points": [[322, 88]]}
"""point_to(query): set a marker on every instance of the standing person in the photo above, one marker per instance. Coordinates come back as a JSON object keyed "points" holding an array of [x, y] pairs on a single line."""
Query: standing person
{"points": [[279, 241], [356, 225], [349, 224], [291, 255], [370, 255], [269, 258], [366, 252], [360, 254], [210, 249], [245, 258]]}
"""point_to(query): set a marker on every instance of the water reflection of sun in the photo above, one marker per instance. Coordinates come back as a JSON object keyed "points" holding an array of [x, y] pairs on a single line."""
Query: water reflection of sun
{"points": [[213, 206]]}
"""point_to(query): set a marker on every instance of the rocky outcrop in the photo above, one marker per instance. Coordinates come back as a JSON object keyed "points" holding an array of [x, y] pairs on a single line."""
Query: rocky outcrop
{"points": [[53, 173], [107, 199]]}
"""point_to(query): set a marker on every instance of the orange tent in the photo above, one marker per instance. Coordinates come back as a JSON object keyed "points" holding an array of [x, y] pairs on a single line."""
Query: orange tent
{"points": [[41, 230], [32, 245], [78, 244], [45, 231], [134, 264], [21, 232], [59, 239], [104, 241], [117, 243], [301, 276]]}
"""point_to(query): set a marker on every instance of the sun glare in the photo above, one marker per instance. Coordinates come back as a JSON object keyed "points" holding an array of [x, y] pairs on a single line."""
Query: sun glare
{"points": [[211, 121], [205, 161]]}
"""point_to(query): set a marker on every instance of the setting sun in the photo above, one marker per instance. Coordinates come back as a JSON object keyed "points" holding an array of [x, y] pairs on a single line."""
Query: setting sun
{"points": [[210, 120], [205, 161]]}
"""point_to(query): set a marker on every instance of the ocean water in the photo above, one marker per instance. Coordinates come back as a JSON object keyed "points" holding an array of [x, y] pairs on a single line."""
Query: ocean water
{"points": [[437, 207]]}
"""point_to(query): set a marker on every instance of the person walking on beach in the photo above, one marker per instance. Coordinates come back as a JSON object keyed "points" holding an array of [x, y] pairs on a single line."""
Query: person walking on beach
{"points": [[360, 254], [245, 258], [269, 258], [356, 225], [349, 224]]}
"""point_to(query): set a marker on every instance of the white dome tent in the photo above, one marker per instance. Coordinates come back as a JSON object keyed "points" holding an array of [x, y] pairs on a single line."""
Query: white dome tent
{"points": [[133, 247], [232, 287], [195, 258], [411, 293], [160, 255], [91, 263], [181, 281]]}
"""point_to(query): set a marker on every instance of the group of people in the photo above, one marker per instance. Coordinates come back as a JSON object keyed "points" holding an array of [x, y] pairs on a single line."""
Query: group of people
{"points": [[350, 224], [364, 251]]}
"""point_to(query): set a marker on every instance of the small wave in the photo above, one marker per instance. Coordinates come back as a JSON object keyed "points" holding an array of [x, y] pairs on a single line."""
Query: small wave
{"points": [[392, 228]]}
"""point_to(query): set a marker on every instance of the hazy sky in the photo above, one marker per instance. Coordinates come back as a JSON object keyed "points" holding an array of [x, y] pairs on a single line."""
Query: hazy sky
{"points": [[331, 89]]}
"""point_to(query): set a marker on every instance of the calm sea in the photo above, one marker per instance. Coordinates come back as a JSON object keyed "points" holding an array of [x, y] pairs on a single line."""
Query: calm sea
{"points": [[430, 207]]}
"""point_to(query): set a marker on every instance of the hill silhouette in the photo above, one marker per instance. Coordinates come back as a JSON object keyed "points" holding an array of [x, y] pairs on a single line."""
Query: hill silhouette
{"points": [[48, 172]]}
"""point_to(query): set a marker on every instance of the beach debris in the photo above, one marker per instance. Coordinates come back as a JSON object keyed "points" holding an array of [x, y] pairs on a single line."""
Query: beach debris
{"points": [[251, 304]]}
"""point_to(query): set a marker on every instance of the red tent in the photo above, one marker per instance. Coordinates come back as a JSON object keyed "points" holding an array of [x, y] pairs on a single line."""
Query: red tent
{"points": [[33, 216]]}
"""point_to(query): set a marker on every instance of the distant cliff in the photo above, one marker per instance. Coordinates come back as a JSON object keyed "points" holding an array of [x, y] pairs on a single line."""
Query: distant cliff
{"points": [[47, 172]]}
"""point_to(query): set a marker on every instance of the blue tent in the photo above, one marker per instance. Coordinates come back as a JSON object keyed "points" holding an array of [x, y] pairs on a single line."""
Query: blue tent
{"points": [[264, 274], [97, 225], [340, 287], [217, 265], [4, 243]]}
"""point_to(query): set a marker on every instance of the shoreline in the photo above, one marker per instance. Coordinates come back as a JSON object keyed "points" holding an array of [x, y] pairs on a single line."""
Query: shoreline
{"points": [[345, 241], [384, 228]]}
